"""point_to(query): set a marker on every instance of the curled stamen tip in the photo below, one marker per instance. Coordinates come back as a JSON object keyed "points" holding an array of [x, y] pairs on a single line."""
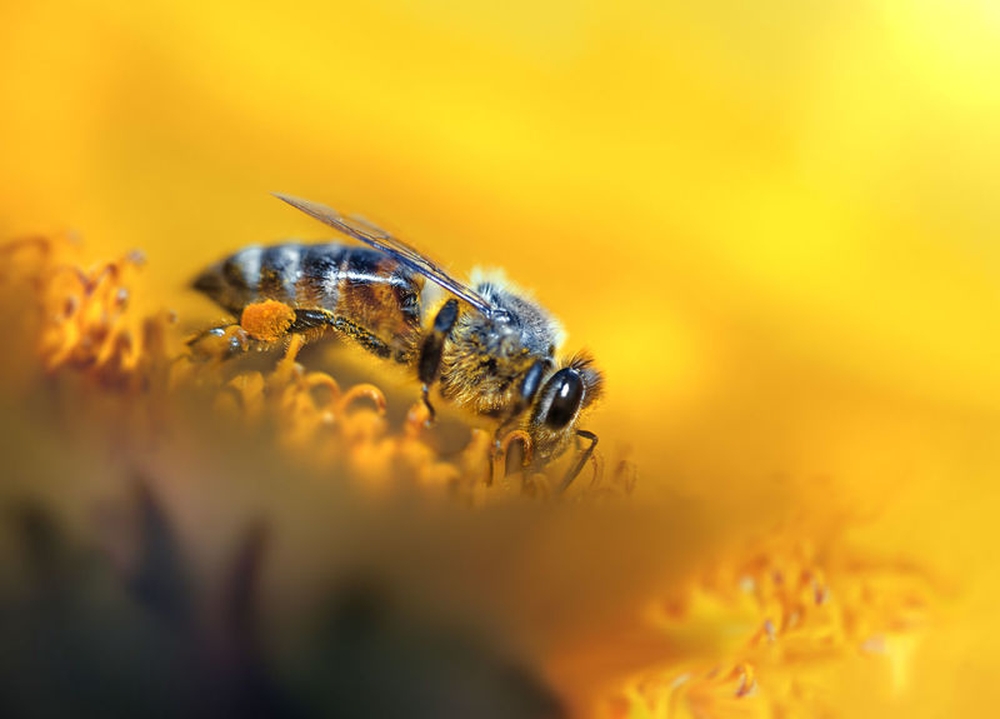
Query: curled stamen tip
{"points": [[518, 435], [364, 391], [747, 687], [821, 594]]}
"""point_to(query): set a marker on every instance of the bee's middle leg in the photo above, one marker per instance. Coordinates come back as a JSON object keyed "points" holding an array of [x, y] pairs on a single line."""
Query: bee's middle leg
{"points": [[429, 365]]}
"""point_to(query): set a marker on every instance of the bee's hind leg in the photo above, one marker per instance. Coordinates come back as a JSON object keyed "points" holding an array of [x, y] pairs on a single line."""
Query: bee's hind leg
{"points": [[581, 459], [309, 320], [261, 327], [220, 343]]}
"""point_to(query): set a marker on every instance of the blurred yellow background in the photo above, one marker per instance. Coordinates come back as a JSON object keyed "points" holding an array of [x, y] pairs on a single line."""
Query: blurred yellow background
{"points": [[773, 223]]}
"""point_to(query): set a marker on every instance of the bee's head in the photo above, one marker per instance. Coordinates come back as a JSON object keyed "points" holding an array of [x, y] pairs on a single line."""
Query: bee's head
{"points": [[558, 403]]}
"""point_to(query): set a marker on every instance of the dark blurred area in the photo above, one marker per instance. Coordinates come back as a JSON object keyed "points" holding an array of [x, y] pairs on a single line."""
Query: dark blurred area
{"points": [[84, 633]]}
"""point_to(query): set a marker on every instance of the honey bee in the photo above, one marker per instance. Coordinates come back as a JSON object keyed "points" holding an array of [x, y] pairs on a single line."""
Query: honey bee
{"points": [[487, 348]]}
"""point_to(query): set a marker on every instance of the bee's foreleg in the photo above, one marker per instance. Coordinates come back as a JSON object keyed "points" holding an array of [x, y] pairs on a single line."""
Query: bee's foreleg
{"points": [[429, 365], [581, 459], [520, 457]]}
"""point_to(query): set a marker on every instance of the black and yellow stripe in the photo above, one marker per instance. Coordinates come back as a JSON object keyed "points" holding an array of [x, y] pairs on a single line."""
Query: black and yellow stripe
{"points": [[365, 294]]}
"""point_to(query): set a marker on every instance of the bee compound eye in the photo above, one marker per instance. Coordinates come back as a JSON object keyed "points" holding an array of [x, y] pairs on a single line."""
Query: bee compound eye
{"points": [[566, 392]]}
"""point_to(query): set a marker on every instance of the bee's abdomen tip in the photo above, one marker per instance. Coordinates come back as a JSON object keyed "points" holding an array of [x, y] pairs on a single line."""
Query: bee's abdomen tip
{"points": [[207, 282]]}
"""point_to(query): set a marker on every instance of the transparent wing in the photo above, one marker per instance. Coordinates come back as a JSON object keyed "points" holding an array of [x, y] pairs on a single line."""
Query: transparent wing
{"points": [[364, 231]]}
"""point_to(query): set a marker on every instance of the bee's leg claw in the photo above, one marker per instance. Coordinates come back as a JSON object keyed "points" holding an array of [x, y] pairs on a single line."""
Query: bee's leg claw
{"points": [[220, 343], [581, 460]]}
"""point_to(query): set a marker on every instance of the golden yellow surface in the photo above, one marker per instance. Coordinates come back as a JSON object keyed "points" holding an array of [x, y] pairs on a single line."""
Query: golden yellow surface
{"points": [[774, 224]]}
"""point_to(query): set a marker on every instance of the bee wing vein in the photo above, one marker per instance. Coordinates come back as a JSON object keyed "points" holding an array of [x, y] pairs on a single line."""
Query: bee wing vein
{"points": [[364, 231]]}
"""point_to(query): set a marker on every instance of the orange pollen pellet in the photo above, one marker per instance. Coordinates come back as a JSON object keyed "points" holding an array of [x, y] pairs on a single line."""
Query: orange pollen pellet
{"points": [[268, 320]]}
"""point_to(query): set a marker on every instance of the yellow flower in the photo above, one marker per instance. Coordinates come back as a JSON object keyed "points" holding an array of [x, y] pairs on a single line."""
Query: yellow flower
{"points": [[774, 227]]}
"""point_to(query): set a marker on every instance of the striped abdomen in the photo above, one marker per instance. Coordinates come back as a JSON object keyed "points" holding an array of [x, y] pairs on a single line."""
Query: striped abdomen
{"points": [[361, 290]]}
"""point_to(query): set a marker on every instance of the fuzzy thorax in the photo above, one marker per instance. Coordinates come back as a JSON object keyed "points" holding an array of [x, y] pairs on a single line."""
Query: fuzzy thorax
{"points": [[488, 354]]}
